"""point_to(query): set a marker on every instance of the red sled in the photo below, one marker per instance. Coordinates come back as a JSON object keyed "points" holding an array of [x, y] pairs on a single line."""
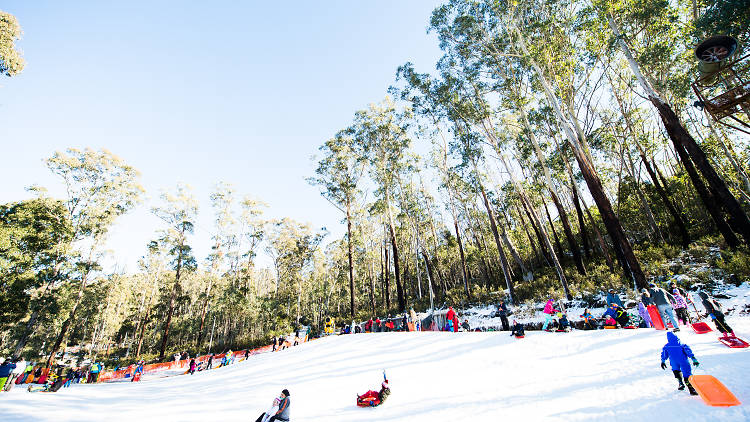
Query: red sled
{"points": [[630, 327], [734, 342], [656, 321], [369, 399], [519, 336], [700, 327]]}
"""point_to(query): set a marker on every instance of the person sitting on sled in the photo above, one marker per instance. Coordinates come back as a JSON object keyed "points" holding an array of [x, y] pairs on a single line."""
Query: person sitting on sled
{"points": [[52, 384], [375, 398], [517, 329], [279, 411], [564, 323], [713, 310], [678, 355], [589, 323], [619, 314]]}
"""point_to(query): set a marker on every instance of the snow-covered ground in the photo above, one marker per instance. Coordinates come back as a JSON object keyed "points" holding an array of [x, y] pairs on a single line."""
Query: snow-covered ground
{"points": [[434, 376]]}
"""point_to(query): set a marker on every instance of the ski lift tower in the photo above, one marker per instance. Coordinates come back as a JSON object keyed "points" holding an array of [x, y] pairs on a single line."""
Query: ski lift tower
{"points": [[723, 84]]}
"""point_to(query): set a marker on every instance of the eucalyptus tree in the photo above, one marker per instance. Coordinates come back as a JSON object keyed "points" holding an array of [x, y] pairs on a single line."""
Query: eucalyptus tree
{"points": [[338, 173], [505, 32], [11, 62], [100, 188], [382, 132], [648, 35], [620, 96], [178, 211], [153, 267], [292, 246], [34, 239], [225, 241]]}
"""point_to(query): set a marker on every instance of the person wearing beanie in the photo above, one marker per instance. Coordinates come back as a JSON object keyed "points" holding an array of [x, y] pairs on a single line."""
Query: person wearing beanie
{"points": [[517, 329]]}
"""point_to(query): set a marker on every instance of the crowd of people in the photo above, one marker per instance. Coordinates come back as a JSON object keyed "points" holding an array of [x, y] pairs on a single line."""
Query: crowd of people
{"points": [[18, 371]]}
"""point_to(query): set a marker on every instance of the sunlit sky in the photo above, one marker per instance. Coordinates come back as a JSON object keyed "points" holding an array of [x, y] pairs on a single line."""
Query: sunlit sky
{"points": [[240, 92]]}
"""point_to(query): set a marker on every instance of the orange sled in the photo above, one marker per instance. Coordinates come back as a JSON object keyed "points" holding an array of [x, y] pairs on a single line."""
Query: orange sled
{"points": [[712, 391]]}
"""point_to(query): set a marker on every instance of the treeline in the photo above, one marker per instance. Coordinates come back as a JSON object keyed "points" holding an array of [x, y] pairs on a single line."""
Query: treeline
{"points": [[557, 144]]}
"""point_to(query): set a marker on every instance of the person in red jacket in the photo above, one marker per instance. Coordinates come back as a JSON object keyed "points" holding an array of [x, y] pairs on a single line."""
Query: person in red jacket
{"points": [[451, 315]]}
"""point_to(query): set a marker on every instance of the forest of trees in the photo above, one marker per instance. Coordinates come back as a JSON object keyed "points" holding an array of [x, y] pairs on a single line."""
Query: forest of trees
{"points": [[554, 150]]}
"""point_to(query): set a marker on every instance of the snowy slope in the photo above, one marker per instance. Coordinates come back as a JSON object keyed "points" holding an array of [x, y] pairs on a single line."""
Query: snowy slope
{"points": [[434, 376]]}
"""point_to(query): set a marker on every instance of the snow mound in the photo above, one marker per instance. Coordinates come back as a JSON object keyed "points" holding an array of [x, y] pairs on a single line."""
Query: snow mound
{"points": [[434, 376]]}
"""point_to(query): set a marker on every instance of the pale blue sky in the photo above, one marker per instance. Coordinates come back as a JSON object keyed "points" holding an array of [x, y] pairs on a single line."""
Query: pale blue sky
{"points": [[241, 92]]}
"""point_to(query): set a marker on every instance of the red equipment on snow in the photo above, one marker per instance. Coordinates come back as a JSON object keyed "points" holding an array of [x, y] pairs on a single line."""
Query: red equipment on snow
{"points": [[656, 321], [700, 327], [734, 342]]}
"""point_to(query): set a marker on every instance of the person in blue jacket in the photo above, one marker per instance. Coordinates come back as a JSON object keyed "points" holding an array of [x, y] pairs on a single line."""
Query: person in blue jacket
{"points": [[678, 355], [613, 297], [5, 370], [618, 313]]}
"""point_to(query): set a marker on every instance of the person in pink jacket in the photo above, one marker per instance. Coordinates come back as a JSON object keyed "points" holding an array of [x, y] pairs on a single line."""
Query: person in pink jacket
{"points": [[549, 311]]}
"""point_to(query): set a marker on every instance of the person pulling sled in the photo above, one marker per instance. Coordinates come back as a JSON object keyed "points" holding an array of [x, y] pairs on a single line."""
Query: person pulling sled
{"points": [[678, 355]]}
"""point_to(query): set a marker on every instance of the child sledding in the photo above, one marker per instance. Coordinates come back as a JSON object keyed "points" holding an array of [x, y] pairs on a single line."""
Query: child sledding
{"points": [[374, 398]]}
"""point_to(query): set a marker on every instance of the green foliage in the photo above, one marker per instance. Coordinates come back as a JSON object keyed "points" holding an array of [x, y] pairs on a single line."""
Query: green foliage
{"points": [[34, 235], [11, 62]]}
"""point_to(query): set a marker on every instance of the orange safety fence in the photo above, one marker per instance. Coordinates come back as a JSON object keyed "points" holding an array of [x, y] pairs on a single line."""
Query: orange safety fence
{"points": [[106, 376]]}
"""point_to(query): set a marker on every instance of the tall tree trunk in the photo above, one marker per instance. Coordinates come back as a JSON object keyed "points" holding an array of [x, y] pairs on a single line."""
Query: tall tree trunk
{"points": [[707, 198], [204, 310], [352, 306], [661, 190], [645, 207], [463, 259], [681, 138], [528, 235], [677, 218], [69, 321], [500, 251], [560, 251], [387, 273], [581, 223], [170, 310], [576, 139], [555, 198]]}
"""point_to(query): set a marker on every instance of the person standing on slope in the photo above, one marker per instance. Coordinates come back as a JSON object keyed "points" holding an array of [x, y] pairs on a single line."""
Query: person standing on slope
{"points": [[191, 369], [414, 319], [663, 299], [678, 355], [680, 306], [613, 297], [549, 311], [6, 369], [451, 316], [502, 312], [15, 374], [713, 310]]}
